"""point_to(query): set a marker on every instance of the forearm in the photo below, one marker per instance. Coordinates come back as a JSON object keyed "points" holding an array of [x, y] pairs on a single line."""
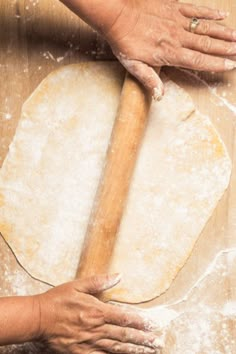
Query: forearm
{"points": [[19, 319], [99, 14]]}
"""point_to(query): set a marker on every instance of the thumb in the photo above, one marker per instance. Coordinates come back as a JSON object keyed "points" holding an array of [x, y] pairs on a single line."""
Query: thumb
{"points": [[98, 283], [146, 75]]}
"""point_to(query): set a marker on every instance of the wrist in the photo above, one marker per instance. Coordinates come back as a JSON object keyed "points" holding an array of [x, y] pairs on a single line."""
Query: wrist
{"points": [[36, 330], [19, 318], [98, 14]]}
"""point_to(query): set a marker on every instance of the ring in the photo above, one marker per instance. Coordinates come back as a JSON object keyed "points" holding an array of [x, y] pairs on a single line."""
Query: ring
{"points": [[194, 24]]}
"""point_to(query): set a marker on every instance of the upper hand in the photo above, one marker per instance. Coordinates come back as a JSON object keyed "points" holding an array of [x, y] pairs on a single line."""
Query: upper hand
{"points": [[153, 33], [74, 321]]}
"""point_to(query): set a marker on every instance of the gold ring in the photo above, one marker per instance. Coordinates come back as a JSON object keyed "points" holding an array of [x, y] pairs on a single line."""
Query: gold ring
{"points": [[194, 24]]}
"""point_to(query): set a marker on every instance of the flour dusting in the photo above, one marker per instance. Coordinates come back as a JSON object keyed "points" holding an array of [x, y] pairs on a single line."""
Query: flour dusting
{"points": [[199, 322], [222, 98]]}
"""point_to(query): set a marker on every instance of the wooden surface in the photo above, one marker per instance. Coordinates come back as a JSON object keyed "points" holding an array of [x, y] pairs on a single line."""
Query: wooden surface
{"points": [[127, 134], [37, 37]]}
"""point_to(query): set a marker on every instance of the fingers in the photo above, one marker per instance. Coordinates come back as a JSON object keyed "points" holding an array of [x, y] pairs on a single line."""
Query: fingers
{"points": [[190, 59], [190, 10], [130, 335], [208, 28], [146, 75], [208, 45], [117, 347], [213, 29], [123, 318], [97, 284]]}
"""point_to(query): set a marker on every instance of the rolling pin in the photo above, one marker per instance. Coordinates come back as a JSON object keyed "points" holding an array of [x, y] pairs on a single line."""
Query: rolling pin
{"points": [[114, 184]]}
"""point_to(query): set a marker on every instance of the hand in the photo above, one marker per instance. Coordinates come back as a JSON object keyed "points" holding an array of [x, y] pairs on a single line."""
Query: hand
{"points": [[153, 33], [74, 321]]}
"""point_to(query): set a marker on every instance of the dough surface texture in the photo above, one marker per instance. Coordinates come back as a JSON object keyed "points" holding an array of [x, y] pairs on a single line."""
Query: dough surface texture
{"points": [[50, 176]]}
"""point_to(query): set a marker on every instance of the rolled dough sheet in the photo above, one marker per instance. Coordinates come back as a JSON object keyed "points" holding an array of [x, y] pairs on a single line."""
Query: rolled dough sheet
{"points": [[49, 180]]}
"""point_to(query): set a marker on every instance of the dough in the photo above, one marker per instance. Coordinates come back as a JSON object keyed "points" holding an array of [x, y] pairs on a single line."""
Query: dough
{"points": [[49, 179]]}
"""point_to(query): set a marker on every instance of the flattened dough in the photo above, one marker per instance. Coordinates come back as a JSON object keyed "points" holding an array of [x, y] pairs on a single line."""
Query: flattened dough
{"points": [[49, 179]]}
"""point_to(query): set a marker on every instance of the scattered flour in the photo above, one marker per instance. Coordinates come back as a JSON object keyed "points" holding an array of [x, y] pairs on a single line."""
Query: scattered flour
{"points": [[199, 322], [213, 91], [6, 116]]}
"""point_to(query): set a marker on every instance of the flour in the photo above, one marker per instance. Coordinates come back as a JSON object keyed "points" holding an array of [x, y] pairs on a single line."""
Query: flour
{"points": [[193, 328], [215, 266], [6, 115], [229, 308], [222, 98], [199, 323], [193, 323], [49, 55], [15, 280]]}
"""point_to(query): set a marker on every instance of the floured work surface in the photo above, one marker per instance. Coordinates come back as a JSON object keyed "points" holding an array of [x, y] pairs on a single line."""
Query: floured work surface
{"points": [[29, 52], [179, 327], [32, 47], [49, 179]]}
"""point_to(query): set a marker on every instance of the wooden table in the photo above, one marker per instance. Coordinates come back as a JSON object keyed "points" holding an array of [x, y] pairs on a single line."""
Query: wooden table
{"points": [[37, 37]]}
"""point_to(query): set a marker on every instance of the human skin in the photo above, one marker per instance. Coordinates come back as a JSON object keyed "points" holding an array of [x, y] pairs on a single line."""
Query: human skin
{"points": [[70, 319], [146, 34], [143, 34]]}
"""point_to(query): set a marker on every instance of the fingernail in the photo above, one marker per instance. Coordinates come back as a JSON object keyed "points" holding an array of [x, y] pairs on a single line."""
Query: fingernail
{"points": [[158, 343], [117, 277], [157, 94], [150, 341], [112, 280], [149, 325], [224, 13], [230, 64]]}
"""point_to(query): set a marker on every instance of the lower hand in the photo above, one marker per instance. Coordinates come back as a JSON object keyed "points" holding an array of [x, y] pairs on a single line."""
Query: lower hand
{"points": [[74, 321], [153, 33]]}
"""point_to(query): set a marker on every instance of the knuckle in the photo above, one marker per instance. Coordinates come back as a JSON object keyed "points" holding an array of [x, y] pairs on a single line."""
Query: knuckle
{"points": [[124, 334], [167, 55], [125, 320], [149, 80], [60, 345], [205, 27], [205, 43], [136, 69], [159, 59], [160, 41], [116, 348], [132, 349], [170, 40], [170, 56], [230, 49], [96, 313], [198, 60], [81, 317]]}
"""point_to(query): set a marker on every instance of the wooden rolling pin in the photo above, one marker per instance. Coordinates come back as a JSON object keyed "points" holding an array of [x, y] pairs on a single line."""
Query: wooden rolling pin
{"points": [[111, 196]]}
